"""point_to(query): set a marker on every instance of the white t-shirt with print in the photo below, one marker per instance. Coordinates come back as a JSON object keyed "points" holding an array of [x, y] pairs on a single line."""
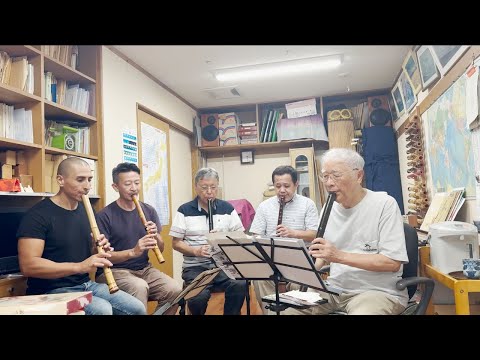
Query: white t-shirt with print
{"points": [[373, 226]]}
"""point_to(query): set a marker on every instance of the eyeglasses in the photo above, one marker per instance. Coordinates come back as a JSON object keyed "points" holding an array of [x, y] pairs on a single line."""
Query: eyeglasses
{"points": [[205, 188], [335, 176]]}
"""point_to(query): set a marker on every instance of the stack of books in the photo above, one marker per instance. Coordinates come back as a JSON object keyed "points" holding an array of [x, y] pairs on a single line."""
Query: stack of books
{"points": [[247, 132], [444, 207]]}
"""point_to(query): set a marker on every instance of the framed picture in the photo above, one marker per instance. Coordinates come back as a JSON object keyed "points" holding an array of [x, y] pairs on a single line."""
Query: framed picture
{"points": [[247, 157], [409, 97], [398, 99], [447, 55], [410, 66], [393, 108], [428, 70]]}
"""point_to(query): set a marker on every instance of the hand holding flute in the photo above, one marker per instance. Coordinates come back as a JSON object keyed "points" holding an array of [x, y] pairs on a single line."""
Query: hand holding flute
{"points": [[321, 248], [148, 229], [112, 286], [281, 229]]}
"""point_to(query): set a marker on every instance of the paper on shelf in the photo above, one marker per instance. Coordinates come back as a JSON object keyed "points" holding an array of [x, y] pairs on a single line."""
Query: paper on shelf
{"points": [[301, 108]]}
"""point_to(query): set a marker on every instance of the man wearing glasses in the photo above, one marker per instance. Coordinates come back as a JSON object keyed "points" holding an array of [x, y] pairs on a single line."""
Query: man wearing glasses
{"points": [[189, 227], [364, 242]]}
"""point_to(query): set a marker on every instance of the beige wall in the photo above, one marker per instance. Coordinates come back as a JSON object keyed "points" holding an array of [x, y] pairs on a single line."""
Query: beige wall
{"points": [[247, 181], [124, 87]]}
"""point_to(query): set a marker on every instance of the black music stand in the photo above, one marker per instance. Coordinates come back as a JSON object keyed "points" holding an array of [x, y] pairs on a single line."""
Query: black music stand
{"points": [[236, 254], [290, 261], [193, 289], [253, 259]]}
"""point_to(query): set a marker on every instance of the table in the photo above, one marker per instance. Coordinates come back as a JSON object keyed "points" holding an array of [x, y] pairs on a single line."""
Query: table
{"points": [[461, 288]]}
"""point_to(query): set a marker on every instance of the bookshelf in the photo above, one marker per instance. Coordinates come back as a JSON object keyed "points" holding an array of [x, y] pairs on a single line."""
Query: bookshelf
{"points": [[56, 60], [255, 113]]}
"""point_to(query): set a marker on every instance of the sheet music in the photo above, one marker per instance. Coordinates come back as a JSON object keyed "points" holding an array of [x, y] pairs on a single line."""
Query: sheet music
{"points": [[298, 298], [295, 253], [222, 262], [226, 247], [294, 262]]}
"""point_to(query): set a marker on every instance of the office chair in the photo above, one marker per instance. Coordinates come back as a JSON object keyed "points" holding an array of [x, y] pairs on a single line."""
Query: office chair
{"points": [[410, 280]]}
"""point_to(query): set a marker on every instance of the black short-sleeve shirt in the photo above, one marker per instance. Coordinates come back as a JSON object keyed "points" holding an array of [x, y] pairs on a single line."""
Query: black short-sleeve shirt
{"points": [[67, 239]]}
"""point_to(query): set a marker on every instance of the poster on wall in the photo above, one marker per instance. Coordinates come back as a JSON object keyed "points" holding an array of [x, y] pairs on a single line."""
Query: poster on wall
{"points": [[155, 170], [130, 146]]}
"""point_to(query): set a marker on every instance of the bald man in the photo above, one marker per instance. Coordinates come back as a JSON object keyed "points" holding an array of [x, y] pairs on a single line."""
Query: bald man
{"points": [[56, 250]]}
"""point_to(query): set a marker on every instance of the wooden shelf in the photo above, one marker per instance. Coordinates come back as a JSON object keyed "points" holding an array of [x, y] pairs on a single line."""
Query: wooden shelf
{"points": [[26, 194], [36, 194], [55, 111], [15, 144], [36, 154], [20, 50], [281, 145], [12, 96], [53, 150], [65, 72]]}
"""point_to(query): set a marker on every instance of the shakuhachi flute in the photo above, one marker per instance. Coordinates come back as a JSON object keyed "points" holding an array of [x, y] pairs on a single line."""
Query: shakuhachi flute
{"points": [[326, 214], [210, 215], [112, 285], [156, 249], [323, 223], [280, 211]]}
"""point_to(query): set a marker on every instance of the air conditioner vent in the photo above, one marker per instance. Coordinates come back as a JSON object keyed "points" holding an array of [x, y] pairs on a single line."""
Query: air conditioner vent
{"points": [[227, 92]]}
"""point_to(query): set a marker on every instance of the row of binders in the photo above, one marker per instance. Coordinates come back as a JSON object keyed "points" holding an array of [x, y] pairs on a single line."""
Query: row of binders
{"points": [[69, 95], [66, 54], [269, 125], [16, 72], [16, 124]]}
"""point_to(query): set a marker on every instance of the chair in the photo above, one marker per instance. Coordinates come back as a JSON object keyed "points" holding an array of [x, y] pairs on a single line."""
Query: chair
{"points": [[410, 280]]}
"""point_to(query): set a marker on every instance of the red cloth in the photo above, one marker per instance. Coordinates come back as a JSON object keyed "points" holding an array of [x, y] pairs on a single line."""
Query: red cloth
{"points": [[245, 210], [10, 185]]}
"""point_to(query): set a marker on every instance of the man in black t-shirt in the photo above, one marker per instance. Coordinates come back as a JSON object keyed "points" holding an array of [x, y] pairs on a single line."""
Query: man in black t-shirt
{"points": [[131, 240], [55, 246]]}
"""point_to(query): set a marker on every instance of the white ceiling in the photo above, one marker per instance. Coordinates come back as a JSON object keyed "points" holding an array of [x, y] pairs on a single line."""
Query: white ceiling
{"points": [[187, 70]]}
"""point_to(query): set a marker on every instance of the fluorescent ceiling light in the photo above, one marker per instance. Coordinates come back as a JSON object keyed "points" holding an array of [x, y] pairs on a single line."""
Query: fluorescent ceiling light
{"points": [[291, 67]]}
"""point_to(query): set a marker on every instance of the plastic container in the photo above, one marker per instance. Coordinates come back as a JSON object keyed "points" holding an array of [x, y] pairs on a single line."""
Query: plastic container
{"points": [[450, 243]]}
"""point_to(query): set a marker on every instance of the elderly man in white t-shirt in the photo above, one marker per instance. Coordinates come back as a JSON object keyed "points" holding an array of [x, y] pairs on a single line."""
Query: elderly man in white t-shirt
{"points": [[364, 242]]}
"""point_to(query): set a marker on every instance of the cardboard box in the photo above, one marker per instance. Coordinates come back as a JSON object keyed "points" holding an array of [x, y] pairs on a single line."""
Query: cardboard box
{"points": [[20, 169], [21, 160], [7, 171], [8, 157], [48, 184], [54, 184], [49, 165], [26, 180]]}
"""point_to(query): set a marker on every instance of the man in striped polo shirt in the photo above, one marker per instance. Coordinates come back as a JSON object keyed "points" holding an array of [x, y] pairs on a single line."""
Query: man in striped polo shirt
{"points": [[299, 220], [188, 230]]}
